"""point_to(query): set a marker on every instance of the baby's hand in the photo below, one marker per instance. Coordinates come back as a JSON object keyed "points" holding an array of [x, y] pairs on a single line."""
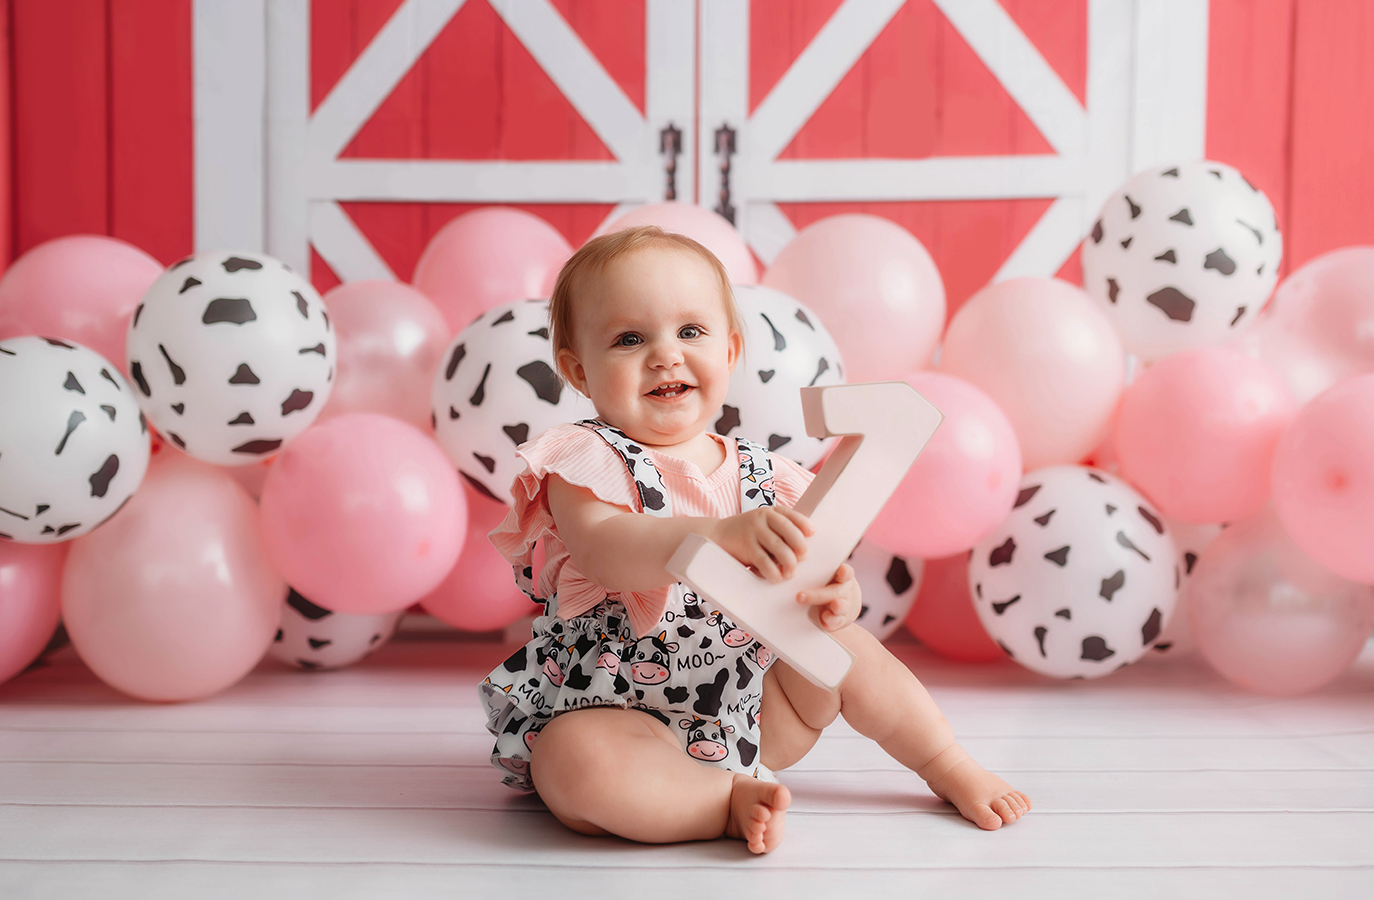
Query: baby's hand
{"points": [[770, 539], [838, 603]]}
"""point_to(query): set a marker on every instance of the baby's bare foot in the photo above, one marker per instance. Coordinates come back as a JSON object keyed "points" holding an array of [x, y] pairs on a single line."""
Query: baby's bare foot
{"points": [[757, 810], [980, 796]]}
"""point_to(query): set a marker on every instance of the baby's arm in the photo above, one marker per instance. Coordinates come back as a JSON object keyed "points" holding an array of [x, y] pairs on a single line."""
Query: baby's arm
{"points": [[628, 551]]}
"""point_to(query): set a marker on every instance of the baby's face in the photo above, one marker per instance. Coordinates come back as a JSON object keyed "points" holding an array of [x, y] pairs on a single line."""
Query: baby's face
{"points": [[652, 346]]}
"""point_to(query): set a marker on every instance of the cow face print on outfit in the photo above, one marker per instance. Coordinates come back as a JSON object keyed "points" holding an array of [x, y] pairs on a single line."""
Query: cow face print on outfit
{"points": [[496, 389], [1183, 256], [73, 444], [1080, 579], [233, 355]]}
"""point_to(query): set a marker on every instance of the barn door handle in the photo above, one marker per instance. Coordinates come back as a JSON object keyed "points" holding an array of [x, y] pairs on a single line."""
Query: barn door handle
{"points": [[725, 148], [669, 146]]}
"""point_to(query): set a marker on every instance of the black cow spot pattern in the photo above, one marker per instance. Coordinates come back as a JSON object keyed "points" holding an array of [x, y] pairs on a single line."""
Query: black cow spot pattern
{"points": [[301, 306], [308, 664], [729, 419], [1110, 509], [676, 695], [540, 376], [244, 418], [189, 283], [481, 488], [179, 408], [1095, 648], [779, 342], [1183, 217], [110, 410], [821, 368], [1059, 557], [766, 375], [454, 359], [105, 373], [1153, 519], [516, 661], [1040, 632], [317, 644], [1025, 494], [280, 635], [258, 447], [507, 316], [801, 317], [1218, 260], [1175, 304], [1002, 555], [178, 374], [100, 481], [1126, 244], [709, 694], [73, 421], [517, 433], [298, 400], [1097, 232], [234, 310], [71, 384], [746, 749], [305, 607], [685, 631], [1044, 520], [1112, 289], [1150, 630], [898, 576], [1126, 542], [1259, 237], [1006, 650], [539, 332], [235, 263], [487, 462], [1169, 173], [176, 439], [1167, 256], [244, 375], [318, 348], [1240, 311], [1064, 613], [577, 679], [1000, 608], [1189, 560], [651, 498], [776, 440], [742, 669], [1135, 210], [480, 393], [56, 343], [452, 414], [1111, 585]]}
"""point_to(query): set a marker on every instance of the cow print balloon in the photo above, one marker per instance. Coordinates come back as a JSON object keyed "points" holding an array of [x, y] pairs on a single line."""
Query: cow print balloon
{"points": [[1080, 579], [1183, 256], [1191, 540], [889, 584], [73, 444], [786, 348], [233, 356], [497, 388], [312, 637]]}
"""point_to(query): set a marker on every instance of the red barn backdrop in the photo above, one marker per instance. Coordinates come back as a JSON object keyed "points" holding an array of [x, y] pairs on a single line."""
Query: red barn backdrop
{"points": [[344, 133]]}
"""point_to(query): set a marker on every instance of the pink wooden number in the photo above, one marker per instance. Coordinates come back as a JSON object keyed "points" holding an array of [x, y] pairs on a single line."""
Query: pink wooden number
{"points": [[883, 425]]}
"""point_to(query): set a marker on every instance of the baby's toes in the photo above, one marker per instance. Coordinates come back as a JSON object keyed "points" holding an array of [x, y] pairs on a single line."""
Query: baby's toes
{"points": [[1005, 810], [989, 818]]}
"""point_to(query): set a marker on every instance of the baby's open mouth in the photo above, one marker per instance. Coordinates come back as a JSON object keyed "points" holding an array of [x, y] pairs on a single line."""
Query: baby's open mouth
{"points": [[669, 391]]}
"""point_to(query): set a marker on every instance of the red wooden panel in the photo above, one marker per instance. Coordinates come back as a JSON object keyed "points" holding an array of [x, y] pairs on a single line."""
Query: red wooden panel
{"points": [[6, 143], [614, 31], [1059, 30], [151, 157], [1332, 180], [339, 30], [61, 136], [779, 31], [1249, 75]]}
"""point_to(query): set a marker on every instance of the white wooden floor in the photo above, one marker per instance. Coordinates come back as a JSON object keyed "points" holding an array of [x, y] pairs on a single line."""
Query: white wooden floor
{"points": [[373, 782]]}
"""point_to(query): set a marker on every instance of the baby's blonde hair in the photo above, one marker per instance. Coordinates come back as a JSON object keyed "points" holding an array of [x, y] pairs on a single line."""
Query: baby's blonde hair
{"points": [[598, 253]]}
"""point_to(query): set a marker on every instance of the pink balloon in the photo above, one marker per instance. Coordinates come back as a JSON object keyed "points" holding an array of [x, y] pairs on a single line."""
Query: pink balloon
{"points": [[1268, 617], [1197, 430], [1319, 328], [964, 482], [391, 339], [363, 514], [710, 229], [943, 617], [82, 288], [30, 602], [487, 257], [875, 287], [1324, 479], [1045, 354], [479, 593], [174, 598]]}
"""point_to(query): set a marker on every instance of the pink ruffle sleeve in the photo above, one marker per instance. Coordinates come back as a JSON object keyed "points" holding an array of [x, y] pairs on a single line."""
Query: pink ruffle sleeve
{"points": [[578, 456], [789, 480]]}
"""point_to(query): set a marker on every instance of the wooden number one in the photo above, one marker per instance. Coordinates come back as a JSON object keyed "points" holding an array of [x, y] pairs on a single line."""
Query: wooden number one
{"points": [[883, 426]]}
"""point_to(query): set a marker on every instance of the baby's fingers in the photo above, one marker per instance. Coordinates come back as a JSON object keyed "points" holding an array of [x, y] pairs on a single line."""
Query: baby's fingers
{"points": [[832, 604]]}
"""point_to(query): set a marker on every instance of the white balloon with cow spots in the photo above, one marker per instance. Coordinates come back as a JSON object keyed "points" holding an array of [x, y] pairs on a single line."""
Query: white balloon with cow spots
{"points": [[1183, 256], [312, 637], [1081, 579], [497, 388], [786, 348], [233, 355], [889, 584], [73, 444]]}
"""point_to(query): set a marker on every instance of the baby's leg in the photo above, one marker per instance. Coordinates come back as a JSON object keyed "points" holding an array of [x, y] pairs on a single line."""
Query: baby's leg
{"points": [[613, 771], [884, 701]]}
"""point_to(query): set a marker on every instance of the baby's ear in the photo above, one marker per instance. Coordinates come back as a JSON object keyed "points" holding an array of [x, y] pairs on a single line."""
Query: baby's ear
{"points": [[572, 370], [736, 349]]}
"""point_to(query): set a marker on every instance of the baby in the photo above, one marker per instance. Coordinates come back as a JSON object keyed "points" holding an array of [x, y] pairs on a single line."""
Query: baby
{"points": [[637, 710]]}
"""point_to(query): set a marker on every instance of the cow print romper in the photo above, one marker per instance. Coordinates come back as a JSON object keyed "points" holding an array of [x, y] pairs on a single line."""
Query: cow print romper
{"points": [[697, 672]]}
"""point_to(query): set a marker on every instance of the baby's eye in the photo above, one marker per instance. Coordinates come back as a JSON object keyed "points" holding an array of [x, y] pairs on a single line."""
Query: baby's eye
{"points": [[628, 340], [689, 332]]}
